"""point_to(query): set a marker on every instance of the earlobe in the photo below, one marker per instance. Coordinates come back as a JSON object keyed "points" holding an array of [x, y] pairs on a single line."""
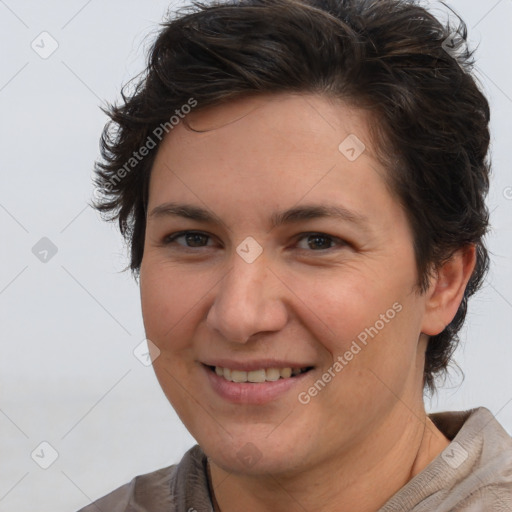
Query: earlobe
{"points": [[447, 290]]}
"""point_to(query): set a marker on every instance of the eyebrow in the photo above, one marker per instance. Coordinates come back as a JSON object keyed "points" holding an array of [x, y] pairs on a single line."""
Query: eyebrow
{"points": [[291, 215]]}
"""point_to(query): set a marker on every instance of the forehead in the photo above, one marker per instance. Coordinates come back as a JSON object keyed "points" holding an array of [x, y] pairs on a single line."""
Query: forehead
{"points": [[294, 117], [283, 148]]}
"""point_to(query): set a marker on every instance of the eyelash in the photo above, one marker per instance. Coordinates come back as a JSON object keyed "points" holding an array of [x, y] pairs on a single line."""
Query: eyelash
{"points": [[169, 239]]}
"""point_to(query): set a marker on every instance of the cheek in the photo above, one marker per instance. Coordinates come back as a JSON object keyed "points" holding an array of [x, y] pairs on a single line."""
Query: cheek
{"points": [[372, 324], [383, 356], [167, 300], [344, 306], [174, 301]]}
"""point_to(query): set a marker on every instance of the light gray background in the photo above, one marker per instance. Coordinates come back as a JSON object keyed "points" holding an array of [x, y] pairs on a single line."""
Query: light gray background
{"points": [[69, 326]]}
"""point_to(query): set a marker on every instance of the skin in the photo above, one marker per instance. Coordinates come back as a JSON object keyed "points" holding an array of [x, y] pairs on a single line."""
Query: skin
{"points": [[366, 434]]}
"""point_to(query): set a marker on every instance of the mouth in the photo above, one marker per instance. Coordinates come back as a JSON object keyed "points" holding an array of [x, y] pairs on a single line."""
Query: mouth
{"points": [[255, 383], [258, 375]]}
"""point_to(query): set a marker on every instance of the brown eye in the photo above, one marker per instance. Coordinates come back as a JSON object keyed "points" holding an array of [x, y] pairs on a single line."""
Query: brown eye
{"points": [[320, 241], [192, 239]]}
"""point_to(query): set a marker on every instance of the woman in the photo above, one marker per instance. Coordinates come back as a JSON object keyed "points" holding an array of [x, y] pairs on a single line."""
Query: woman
{"points": [[302, 185]]}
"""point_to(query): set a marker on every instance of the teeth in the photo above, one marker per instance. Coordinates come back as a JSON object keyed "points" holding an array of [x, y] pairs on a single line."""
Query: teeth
{"points": [[257, 376], [285, 373], [273, 374], [238, 376], [262, 375]]}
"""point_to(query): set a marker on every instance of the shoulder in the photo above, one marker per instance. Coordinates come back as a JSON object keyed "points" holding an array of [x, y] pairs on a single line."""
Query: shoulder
{"points": [[473, 473], [477, 464], [150, 490], [164, 489]]}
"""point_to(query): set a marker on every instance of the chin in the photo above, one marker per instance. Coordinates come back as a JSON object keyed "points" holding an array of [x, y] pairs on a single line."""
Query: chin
{"points": [[249, 460], [255, 454]]}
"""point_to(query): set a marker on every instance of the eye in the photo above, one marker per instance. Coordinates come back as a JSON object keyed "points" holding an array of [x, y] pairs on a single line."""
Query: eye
{"points": [[192, 239], [320, 241], [310, 241]]}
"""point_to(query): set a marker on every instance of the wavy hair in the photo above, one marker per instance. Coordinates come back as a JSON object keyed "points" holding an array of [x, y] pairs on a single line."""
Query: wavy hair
{"points": [[393, 58]]}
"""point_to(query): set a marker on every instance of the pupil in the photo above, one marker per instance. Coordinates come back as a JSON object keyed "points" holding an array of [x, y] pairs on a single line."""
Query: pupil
{"points": [[317, 238], [193, 237]]}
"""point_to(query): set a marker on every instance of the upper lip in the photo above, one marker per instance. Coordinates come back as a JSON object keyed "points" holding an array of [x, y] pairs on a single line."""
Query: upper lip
{"points": [[248, 366]]}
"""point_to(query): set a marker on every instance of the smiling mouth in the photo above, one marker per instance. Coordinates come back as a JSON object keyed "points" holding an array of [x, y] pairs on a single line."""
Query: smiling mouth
{"points": [[256, 376]]}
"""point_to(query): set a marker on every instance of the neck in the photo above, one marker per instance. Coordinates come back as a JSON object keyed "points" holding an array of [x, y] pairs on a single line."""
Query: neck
{"points": [[362, 478]]}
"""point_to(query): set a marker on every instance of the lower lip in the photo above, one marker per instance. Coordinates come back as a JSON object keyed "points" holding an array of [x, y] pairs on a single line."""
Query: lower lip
{"points": [[256, 393]]}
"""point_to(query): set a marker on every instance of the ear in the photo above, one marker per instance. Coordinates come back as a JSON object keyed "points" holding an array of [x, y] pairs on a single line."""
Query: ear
{"points": [[447, 290]]}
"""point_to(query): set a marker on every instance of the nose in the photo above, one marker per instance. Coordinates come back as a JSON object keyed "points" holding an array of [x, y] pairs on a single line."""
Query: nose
{"points": [[247, 301]]}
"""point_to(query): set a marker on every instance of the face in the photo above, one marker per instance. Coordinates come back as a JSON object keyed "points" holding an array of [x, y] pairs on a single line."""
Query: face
{"points": [[272, 244]]}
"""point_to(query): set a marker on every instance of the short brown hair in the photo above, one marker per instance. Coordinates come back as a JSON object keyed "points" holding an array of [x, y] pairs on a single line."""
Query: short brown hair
{"points": [[391, 57]]}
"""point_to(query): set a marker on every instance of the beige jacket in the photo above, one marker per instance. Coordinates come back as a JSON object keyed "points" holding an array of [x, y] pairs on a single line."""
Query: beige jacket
{"points": [[473, 474]]}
